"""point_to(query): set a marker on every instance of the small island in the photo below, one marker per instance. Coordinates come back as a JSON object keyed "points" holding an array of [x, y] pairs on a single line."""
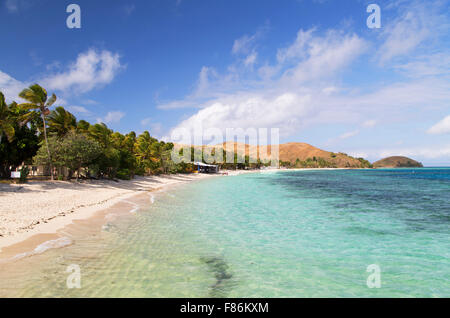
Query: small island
{"points": [[397, 162]]}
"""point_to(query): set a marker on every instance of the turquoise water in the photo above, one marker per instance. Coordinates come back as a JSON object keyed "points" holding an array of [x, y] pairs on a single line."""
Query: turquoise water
{"points": [[284, 234]]}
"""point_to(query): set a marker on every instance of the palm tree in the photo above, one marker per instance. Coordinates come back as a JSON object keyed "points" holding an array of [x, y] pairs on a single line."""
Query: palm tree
{"points": [[6, 123], [38, 102], [61, 122]]}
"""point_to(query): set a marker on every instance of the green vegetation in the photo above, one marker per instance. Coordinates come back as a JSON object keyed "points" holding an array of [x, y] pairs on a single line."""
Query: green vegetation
{"points": [[31, 133], [397, 162], [318, 162], [310, 163], [365, 163]]}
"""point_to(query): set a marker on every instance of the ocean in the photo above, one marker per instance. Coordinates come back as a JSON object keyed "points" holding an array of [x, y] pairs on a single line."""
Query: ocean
{"points": [[312, 233]]}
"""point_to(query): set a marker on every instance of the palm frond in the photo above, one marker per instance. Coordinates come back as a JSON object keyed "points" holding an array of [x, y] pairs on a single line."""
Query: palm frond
{"points": [[8, 129], [34, 94], [28, 106], [51, 100]]}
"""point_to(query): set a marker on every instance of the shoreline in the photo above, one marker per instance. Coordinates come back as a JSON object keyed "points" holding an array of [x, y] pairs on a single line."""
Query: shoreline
{"points": [[36, 211]]}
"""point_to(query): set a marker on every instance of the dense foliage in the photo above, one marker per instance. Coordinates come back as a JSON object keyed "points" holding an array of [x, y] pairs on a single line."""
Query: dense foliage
{"points": [[31, 133]]}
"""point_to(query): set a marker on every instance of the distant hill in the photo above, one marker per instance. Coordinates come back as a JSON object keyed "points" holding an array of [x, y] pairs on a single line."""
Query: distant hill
{"points": [[397, 162], [302, 154], [296, 155]]}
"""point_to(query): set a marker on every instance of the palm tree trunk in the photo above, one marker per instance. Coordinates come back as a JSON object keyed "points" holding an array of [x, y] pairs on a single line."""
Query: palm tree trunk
{"points": [[48, 149]]}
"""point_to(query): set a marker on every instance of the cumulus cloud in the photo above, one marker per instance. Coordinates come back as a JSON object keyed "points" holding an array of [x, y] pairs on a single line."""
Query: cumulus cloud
{"points": [[251, 111], [92, 69], [442, 127], [285, 102]]}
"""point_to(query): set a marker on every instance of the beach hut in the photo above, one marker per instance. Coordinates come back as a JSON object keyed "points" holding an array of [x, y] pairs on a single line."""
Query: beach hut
{"points": [[201, 167]]}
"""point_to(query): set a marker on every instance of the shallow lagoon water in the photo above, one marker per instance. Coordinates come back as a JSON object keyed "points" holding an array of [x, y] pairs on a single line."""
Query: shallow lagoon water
{"points": [[283, 234]]}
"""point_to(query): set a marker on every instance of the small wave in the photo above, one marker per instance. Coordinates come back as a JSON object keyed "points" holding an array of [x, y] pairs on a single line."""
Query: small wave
{"points": [[58, 243], [135, 206]]}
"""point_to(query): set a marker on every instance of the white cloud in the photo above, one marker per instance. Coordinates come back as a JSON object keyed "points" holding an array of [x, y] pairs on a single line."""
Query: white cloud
{"points": [[427, 65], [245, 44], [10, 87], [321, 56], [349, 134], [442, 127], [283, 103], [92, 69], [297, 49], [250, 60], [112, 117], [256, 111], [418, 23], [78, 110]]}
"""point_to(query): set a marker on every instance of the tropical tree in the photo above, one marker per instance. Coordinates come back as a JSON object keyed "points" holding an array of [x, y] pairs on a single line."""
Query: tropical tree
{"points": [[6, 122], [78, 151], [145, 152], [73, 151], [39, 103], [22, 146], [83, 127], [60, 121]]}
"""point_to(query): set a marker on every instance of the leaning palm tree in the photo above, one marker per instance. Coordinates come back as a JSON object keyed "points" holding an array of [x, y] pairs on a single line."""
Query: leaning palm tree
{"points": [[6, 123], [39, 104]]}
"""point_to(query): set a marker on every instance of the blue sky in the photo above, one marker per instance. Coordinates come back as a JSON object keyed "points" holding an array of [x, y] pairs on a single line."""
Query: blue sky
{"points": [[311, 68]]}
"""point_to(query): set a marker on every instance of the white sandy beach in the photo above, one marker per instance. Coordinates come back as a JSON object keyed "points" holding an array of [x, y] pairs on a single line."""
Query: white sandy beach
{"points": [[45, 207]]}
